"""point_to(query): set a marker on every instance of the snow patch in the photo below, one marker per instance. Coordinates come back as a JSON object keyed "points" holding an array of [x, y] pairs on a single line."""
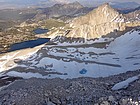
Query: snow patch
{"points": [[25, 75], [124, 84]]}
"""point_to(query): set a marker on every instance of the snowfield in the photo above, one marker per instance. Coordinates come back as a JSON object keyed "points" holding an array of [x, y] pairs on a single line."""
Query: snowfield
{"points": [[7, 61], [124, 84], [99, 58]]}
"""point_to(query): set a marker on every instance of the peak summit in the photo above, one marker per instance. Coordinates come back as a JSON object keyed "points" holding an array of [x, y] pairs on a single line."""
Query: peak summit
{"points": [[104, 5], [103, 14], [98, 22], [106, 9], [76, 3], [101, 21]]}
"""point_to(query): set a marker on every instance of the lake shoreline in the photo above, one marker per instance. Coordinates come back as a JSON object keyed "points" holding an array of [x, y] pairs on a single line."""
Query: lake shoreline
{"points": [[26, 44]]}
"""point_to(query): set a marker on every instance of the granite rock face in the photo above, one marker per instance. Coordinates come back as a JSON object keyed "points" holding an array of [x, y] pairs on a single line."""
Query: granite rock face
{"points": [[101, 21]]}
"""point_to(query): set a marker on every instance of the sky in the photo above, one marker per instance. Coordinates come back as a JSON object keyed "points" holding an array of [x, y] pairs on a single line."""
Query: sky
{"points": [[34, 1], [98, 2], [14, 3]]}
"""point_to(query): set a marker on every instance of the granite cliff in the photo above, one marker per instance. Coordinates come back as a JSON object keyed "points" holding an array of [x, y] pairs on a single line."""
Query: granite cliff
{"points": [[101, 21]]}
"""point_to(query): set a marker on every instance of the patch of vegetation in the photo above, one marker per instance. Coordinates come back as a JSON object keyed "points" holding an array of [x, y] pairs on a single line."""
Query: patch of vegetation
{"points": [[49, 23]]}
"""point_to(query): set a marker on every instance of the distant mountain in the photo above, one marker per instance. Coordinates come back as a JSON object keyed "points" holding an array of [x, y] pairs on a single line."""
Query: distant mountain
{"points": [[124, 5], [101, 21], [10, 17], [136, 9], [21, 2], [8, 4], [4, 4], [134, 14], [63, 11], [125, 11], [14, 4]]}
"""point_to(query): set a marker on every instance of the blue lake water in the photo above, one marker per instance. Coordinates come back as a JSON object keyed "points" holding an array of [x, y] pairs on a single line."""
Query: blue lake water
{"points": [[28, 44], [40, 31]]}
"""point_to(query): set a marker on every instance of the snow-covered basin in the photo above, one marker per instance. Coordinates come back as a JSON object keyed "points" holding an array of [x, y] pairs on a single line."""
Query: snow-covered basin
{"points": [[125, 57], [121, 55], [7, 59]]}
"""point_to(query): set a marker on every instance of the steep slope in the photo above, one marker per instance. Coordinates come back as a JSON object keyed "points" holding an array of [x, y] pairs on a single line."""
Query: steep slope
{"points": [[134, 14], [97, 23]]}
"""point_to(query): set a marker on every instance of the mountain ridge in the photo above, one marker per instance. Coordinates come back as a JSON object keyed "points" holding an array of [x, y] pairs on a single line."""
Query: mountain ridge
{"points": [[125, 5], [61, 10], [100, 21]]}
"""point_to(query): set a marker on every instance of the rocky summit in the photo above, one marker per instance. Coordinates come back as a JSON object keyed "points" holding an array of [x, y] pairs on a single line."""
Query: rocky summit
{"points": [[101, 21]]}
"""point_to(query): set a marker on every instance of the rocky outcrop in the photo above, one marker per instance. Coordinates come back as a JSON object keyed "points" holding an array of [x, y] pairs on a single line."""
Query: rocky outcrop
{"points": [[81, 91], [126, 11], [135, 16], [99, 22]]}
